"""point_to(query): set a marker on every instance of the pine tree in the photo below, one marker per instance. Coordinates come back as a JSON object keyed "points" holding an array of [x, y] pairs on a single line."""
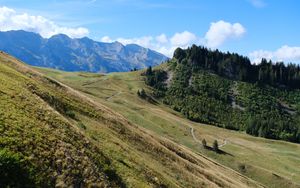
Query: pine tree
{"points": [[143, 93], [216, 146], [149, 71], [204, 144]]}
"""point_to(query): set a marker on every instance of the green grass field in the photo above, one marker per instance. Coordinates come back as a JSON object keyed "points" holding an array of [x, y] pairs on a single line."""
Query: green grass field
{"points": [[55, 136], [270, 162]]}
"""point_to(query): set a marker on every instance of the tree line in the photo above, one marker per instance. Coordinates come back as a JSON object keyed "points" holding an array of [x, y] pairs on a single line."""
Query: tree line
{"points": [[237, 67]]}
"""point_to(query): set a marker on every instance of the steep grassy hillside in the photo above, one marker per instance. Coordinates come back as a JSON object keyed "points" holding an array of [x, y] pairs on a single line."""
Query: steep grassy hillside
{"points": [[52, 135], [270, 162]]}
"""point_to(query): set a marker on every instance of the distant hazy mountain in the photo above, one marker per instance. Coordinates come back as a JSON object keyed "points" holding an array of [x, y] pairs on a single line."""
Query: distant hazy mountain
{"points": [[84, 54]]}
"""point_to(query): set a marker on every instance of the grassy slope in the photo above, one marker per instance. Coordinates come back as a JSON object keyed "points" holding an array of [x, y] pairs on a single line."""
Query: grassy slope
{"points": [[273, 163], [68, 139]]}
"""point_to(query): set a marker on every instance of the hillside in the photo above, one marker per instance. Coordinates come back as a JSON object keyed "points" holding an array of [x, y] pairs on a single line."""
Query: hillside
{"points": [[84, 54], [270, 162], [225, 90], [52, 135]]}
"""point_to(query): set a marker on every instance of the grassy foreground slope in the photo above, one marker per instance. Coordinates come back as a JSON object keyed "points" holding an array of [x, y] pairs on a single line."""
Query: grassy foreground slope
{"points": [[52, 135], [270, 162]]}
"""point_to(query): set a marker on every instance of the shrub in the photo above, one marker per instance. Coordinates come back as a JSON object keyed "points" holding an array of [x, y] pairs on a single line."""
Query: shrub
{"points": [[70, 114], [142, 93], [216, 146], [13, 171], [242, 168], [81, 125], [204, 143]]}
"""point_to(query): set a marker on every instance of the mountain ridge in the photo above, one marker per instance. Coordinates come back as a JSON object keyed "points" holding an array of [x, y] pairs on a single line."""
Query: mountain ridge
{"points": [[78, 54]]}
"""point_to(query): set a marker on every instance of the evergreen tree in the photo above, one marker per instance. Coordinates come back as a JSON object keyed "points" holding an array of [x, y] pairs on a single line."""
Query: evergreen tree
{"points": [[149, 71], [204, 144], [143, 93], [216, 146], [179, 54]]}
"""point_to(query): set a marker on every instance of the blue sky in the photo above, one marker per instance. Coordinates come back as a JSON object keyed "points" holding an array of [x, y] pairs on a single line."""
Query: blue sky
{"points": [[257, 28]]}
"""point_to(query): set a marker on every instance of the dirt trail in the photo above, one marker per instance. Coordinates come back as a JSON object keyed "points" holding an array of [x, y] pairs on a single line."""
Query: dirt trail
{"points": [[113, 95], [200, 142], [193, 135], [224, 143]]}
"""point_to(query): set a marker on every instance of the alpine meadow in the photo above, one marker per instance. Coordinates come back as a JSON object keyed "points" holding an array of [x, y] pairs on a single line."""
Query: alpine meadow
{"points": [[179, 94]]}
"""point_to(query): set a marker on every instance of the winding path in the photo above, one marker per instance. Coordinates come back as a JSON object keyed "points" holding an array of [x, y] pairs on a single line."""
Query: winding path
{"points": [[200, 142], [113, 95], [193, 134], [224, 143]]}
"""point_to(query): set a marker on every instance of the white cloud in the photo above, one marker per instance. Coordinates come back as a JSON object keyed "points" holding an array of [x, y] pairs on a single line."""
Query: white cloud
{"points": [[106, 39], [145, 41], [162, 39], [161, 43], [183, 39], [256, 56], [11, 20], [221, 31], [285, 53], [218, 33]]}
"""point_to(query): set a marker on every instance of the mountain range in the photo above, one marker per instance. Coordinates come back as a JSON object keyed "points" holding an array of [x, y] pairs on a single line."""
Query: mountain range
{"points": [[78, 54]]}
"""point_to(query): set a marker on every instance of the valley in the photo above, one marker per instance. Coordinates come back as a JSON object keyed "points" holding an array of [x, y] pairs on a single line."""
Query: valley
{"points": [[273, 163], [149, 94]]}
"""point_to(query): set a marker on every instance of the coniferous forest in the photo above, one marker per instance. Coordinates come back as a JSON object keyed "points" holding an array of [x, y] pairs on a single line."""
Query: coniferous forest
{"points": [[226, 90]]}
